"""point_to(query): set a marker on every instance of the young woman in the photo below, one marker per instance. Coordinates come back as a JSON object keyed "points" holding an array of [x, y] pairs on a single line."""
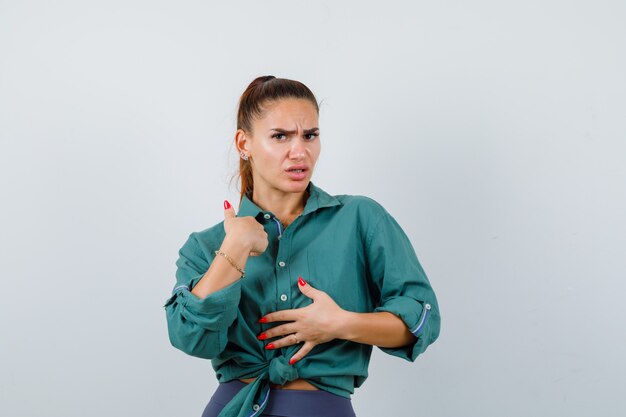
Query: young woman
{"points": [[288, 295]]}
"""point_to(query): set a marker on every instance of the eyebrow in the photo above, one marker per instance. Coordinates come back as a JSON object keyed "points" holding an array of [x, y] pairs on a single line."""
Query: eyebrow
{"points": [[311, 130]]}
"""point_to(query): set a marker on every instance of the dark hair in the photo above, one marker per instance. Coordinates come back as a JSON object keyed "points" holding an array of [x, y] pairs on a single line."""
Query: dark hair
{"points": [[252, 105]]}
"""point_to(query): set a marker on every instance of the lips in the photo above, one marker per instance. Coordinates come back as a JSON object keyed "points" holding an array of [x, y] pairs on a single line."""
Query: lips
{"points": [[297, 172], [297, 168]]}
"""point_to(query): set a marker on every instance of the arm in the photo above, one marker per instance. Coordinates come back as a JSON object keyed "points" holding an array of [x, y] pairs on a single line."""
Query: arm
{"points": [[324, 320], [237, 244], [221, 273], [381, 329], [402, 286], [205, 299]]}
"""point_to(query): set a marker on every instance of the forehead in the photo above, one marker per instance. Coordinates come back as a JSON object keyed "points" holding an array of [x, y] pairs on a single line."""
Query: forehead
{"points": [[288, 113]]}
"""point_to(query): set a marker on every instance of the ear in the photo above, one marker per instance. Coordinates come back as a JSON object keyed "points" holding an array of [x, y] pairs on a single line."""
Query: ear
{"points": [[241, 141]]}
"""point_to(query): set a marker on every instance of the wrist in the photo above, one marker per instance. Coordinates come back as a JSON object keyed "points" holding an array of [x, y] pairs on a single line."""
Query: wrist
{"points": [[233, 243], [345, 325]]}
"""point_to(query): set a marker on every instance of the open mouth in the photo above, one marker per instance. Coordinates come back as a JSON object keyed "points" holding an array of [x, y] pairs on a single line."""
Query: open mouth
{"points": [[297, 173], [297, 168]]}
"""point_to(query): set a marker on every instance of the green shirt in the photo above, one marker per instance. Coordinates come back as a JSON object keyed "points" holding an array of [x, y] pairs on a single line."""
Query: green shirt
{"points": [[346, 245]]}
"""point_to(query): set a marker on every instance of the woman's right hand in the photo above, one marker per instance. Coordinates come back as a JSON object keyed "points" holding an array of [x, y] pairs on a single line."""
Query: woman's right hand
{"points": [[244, 230]]}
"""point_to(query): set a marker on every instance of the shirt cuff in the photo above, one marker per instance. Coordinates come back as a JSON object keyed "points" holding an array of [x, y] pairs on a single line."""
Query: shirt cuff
{"points": [[221, 300], [415, 316]]}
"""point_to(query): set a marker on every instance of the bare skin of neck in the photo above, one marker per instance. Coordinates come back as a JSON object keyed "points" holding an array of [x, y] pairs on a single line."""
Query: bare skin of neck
{"points": [[285, 206]]}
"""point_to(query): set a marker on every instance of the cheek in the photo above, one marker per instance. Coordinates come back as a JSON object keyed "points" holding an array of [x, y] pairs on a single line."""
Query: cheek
{"points": [[315, 151], [273, 154], [267, 157]]}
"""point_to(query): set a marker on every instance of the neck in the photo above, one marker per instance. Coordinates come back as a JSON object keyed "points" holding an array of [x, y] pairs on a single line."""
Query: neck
{"points": [[285, 205]]}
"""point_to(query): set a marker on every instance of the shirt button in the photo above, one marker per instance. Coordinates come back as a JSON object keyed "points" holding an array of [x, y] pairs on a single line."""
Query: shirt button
{"points": [[256, 407], [281, 263], [283, 297], [267, 216]]}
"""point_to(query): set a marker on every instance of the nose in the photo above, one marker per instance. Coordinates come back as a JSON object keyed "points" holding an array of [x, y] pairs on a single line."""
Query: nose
{"points": [[298, 149]]}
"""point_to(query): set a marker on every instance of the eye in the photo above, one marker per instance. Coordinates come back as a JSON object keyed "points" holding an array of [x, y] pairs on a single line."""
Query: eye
{"points": [[314, 135], [278, 134]]}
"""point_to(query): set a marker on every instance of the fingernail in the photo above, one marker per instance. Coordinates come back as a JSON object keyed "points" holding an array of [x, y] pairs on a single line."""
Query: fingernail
{"points": [[262, 336], [292, 361], [269, 346], [301, 281], [263, 320], [226, 205]]}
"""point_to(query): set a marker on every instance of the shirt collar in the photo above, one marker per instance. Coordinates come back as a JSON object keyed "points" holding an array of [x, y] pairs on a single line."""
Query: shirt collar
{"points": [[318, 198]]}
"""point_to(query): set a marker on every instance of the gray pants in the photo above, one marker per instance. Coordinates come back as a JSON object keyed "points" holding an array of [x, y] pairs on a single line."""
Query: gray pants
{"points": [[285, 402]]}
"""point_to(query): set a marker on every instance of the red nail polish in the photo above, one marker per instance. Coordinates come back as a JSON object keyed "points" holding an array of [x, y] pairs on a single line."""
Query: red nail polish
{"points": [[226, 205], [292, 361], [301, 281], [262, 336], [269, 346], [263, 320]]}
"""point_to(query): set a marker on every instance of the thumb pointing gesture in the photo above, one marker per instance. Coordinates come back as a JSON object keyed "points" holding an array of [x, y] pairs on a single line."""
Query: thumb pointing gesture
{"points": [[245, 227], [229, 215], [229, 211]]}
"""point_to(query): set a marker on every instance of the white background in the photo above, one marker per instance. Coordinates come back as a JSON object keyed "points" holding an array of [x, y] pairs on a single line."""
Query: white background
{"points": [[493, 131]]}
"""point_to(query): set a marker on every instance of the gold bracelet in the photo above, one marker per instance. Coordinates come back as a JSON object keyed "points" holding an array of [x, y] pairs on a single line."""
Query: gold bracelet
{"points": [[229, 259]]}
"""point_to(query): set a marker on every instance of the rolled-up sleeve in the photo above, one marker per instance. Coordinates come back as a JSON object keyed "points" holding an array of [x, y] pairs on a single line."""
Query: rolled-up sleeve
{"points": [[402, 285], [199, 326]]}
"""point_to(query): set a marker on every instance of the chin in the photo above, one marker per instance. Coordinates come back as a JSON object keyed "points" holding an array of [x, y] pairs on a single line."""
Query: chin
{"points": [[298, 186]]}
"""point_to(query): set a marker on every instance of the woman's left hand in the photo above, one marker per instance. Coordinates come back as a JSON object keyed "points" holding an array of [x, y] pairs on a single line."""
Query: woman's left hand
{"points": [[317, 323]]}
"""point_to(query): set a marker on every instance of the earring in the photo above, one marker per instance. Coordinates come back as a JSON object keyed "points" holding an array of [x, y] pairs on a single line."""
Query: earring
{"points": [[244, 156]]}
